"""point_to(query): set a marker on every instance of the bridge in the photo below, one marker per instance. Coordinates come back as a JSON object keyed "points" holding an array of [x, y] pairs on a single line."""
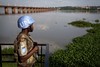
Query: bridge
{"points": [[24, 9]]}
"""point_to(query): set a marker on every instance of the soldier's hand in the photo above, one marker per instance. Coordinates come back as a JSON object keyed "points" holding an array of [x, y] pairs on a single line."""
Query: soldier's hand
{"points": [[36, 48]]}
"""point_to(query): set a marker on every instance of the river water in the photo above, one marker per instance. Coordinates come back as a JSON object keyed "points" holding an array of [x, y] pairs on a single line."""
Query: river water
{"points": [[50, 28]]}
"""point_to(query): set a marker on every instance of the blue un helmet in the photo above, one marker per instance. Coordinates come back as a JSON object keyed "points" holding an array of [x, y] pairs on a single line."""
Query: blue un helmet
{"points": [[25, 22]]}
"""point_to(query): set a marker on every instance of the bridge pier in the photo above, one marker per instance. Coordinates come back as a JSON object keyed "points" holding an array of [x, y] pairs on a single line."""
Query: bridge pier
{"points": [[32, 10], [6, 9], [24, 10], [28, 10], [39, 10], [36, 10], [14, 10], [19, 10]]}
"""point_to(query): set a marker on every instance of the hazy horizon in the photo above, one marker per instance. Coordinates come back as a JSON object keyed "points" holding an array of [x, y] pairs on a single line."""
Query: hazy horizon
{"points": [[51, 3]]}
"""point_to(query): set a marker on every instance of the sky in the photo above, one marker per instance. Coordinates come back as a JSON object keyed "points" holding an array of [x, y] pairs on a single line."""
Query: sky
{"points": [[51, 3]]}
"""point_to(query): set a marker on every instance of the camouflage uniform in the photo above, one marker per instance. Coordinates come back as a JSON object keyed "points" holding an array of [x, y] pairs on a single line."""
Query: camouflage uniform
{"points": [[28, 43]]}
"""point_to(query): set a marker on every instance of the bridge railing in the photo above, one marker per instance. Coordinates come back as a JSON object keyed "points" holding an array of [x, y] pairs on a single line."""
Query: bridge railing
{"points": [[43, 55]]}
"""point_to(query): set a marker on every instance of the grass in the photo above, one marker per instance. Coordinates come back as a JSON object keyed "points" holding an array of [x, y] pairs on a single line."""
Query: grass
{"points": [[9, 65]]}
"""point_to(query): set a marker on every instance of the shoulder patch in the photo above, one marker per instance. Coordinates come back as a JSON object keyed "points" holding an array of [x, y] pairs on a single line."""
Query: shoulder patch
{"points": [[22, 38]]}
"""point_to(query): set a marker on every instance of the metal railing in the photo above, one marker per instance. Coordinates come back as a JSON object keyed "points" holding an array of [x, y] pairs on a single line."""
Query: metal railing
{"points": [[42, 62]]}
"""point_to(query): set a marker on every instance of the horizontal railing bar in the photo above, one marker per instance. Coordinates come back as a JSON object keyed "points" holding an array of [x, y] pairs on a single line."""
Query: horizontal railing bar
{"points": [[6, 43], [8, 61], [13, 44], [9, 54], [39, 62], [15, 62], [13, 54]]}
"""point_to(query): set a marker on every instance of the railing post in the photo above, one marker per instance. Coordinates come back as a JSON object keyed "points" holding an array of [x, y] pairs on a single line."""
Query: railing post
{"points": [[0, 57], [6, 9], [41, 56], [46, 63]]}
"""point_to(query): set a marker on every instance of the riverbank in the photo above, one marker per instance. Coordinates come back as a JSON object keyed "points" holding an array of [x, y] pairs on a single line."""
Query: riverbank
{"points": [[84, 51]]}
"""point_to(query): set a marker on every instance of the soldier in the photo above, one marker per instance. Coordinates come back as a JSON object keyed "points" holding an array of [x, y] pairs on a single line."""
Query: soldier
{"points": [[24, 47]]}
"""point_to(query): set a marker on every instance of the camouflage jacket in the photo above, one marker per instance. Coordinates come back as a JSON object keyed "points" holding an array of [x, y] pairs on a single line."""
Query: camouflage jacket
{"points": [[22, 45]]}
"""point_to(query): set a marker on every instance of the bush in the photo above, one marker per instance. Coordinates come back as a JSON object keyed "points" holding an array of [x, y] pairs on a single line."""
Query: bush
{"points": [[8, 50], [82, 52], [10, 58], [84, 18], [97, 20], [81, 23]]}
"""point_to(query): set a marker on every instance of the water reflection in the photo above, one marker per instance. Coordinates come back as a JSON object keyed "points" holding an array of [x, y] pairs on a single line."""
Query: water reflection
{"points": [[42, 27]]}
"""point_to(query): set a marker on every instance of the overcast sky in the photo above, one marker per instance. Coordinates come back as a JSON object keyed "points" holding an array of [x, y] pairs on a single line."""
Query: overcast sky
{"points": [[51, 3]]}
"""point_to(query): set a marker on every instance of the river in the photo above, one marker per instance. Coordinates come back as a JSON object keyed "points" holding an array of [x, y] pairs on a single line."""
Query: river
{"points": [[50, 27]]}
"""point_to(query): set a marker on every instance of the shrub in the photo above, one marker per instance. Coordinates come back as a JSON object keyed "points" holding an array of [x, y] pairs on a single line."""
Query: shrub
{"points": [[81, 23], [96, 20], [8, 50], [84, 51]]}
